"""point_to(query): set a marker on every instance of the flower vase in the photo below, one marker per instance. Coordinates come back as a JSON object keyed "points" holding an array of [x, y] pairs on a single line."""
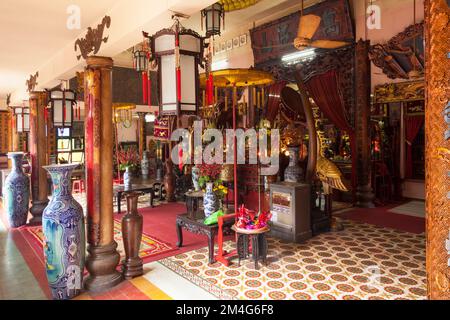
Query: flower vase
{"points": [[293, 172], [132, 224], [64, 236], [210, 200], [195, 176], [16, 192], [145, 165], [127, 183]]}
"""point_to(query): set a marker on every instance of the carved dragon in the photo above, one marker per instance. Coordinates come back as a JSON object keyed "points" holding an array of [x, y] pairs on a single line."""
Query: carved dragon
{"points": [[93, 39], [32, 82]]}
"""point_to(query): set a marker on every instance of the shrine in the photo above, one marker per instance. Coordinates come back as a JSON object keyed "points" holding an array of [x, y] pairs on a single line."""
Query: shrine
{"points": [[225, 150]]}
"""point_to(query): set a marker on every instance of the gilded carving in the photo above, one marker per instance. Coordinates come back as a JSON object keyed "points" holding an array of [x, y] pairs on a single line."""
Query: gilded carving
{"points": [[399, 56], [400, 92], [437, 33], [93, 40]]}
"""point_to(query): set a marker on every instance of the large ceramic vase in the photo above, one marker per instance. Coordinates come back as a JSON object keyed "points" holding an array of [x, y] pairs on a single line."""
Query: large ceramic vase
{"points": [[132, 224], [16, 192], [211, 202], [127, 183], [145, 165], [195, 172], [293, 172], [64, 236]]}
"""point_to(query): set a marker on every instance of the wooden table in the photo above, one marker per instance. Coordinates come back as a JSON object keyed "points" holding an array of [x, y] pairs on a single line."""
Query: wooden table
{"points": [[145, 186], [195, 225]]}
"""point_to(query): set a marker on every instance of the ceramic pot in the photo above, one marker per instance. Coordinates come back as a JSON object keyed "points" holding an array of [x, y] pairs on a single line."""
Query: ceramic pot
{"points": [[132, 224], [293, 172], [64, 236], [16, 192], [211, 202], [145, 165], [127, 183], [195, 176]]}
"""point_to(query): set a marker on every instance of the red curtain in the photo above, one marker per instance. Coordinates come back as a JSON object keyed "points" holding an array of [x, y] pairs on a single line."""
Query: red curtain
{"points": [[324, 89], [413, 125]]}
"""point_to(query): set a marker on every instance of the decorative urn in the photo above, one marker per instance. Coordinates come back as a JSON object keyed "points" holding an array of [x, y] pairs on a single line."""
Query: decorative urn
{"points": [[16, 192], [64, 236]]}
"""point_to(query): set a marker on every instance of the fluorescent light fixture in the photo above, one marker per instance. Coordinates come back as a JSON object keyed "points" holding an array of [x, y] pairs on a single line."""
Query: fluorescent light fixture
{"points": [[219, 65], [150, 117], [300, 55]]}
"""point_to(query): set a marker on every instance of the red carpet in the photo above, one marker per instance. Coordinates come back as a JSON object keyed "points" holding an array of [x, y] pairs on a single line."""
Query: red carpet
{"points": [[382, 218]]}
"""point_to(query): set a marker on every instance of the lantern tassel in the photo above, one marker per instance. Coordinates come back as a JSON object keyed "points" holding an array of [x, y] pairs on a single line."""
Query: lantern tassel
{"points": [[149, 93], [179, 84], [145, 86], [210, 89]]}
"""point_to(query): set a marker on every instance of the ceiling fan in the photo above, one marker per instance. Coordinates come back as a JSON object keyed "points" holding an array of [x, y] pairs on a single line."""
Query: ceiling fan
{"points": [[307, 27]]}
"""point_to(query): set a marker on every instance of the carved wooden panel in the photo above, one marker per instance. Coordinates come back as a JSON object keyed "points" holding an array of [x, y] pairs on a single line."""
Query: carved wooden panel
{"points": [[400, 92], [437, 148], [399, 56]]}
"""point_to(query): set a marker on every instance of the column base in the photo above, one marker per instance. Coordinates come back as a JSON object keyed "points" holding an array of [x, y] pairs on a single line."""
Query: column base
{"points": [[132, 268], [36, 210], [101, 264], [365, 197]]}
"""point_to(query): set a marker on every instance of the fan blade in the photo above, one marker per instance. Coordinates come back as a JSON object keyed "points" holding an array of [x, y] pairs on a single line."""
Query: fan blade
{"points": [[328, 44], [308, 25]]}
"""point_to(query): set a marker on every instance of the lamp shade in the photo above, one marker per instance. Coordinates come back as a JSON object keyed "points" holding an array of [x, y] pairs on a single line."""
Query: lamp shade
{"points": [[140, 60], [62, 102], [178, 55], [22, 115], [213, 16]]}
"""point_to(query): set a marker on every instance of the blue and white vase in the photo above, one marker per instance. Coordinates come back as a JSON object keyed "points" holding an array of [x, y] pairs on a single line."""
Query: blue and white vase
{"points": [[127, 183], [16, 192], [64, 236], [195, 172], [210, 200]]}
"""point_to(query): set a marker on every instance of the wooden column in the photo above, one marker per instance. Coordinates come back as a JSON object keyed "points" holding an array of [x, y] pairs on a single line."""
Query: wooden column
{"points": [[142, 138], [437, 147], [103, 257], [38, 155], [364, 194]]}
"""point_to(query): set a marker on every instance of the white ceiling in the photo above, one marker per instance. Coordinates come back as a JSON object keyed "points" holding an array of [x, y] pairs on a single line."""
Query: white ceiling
{"points": [[32, 31]]}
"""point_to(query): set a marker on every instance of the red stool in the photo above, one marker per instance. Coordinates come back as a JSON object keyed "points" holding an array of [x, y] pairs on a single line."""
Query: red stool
{"points": [[78, 186]]}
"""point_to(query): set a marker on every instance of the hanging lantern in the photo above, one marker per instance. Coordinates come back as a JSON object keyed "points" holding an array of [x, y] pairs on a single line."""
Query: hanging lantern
{"points": [[140, 60], [62, 102], [22, 115], [213, 16], [178, 53]]}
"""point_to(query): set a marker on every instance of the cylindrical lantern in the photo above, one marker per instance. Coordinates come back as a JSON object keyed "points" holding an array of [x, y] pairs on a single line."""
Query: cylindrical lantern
{"points": [[213, 16], [178, 54], [62, 102], [22, 115]]}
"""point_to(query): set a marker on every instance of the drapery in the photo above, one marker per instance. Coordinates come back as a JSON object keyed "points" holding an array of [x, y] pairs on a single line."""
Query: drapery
{"points": [[324, 89], [413, 124]]}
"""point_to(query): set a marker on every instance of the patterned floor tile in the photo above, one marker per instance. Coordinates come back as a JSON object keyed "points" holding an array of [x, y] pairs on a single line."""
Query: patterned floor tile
{"points": [[361, 262]]}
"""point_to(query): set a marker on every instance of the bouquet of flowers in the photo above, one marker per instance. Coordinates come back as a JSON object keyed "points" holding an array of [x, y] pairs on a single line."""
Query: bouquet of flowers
{"points": [[250, 220], [128, 158], [211, 173]]}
